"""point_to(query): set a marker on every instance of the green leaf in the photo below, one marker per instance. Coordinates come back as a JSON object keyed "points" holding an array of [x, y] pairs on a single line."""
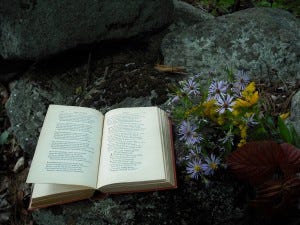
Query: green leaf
{"points": [[270, 121], [4, 137], [259, 133], [284, 131], [296, 138]]}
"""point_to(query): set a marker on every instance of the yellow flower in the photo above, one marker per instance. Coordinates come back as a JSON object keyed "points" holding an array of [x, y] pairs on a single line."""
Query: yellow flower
{"points": [[242, 142], [235, 112], [220, 120], [253, 98], [241, 103], [192, 110], [249, 97], [249, 89], [284, 115], [243, 129], [210, 108], [243, 134]]}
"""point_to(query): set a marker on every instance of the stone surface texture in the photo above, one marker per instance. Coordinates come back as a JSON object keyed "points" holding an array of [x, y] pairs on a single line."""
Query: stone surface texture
{"points": [[186, 15], [264, 41], [295, 112], [208, 206], [34, 29], [28, 103]]}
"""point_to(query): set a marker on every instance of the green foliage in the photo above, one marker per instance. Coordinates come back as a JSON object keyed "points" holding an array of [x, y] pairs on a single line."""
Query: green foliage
{"points": [[290, 5], [225, 5], [212, 121], [217, 7], [288, 132]]}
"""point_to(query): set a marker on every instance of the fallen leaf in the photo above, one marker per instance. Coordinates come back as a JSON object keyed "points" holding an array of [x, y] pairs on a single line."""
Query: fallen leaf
{"points": [[255, 161]]}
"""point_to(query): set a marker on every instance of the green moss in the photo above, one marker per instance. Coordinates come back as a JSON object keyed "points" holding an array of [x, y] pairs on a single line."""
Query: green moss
{"points": [[289, 5]]}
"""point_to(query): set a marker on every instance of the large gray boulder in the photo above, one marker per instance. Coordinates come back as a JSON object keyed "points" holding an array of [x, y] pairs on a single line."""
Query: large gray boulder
{"points": [[264, 41], [122, 85], [186, 15], [35, 29], [29, 100], [295, 112]]}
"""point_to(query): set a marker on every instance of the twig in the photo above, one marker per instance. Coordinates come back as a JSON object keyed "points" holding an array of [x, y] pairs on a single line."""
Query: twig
{"points": [[170, 69]]}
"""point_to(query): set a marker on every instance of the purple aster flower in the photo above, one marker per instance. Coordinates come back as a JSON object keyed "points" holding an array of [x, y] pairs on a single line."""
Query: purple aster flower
{"points": [[225, 102], [229, 136], [191, 87], [194, 169], [242, 80], [194, 153], [216, 88], [212, 164], [250, 121], [198, 75], [174, 99], [188, 133], [236, 91]]}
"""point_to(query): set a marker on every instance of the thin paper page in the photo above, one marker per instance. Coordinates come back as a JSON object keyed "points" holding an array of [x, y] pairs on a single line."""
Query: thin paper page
{"points": [[41, 190], [68, 149], [131, 147]]}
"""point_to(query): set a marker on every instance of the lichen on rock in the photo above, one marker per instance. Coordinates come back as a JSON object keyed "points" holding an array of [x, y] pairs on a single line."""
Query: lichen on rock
{"points": [[263, 41], [190, 204], [29, 100]]}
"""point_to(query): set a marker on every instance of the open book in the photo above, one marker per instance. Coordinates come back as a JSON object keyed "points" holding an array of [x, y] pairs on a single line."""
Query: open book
{"points": [[80, 150]]}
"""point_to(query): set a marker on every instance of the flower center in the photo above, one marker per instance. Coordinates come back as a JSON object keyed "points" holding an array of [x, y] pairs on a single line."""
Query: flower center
{"points": [[197, 168], [189, 133], [213, 166]]}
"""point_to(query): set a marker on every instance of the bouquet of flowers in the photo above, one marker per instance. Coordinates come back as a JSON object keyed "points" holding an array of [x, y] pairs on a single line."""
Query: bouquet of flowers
{"points": [[212, 121]]}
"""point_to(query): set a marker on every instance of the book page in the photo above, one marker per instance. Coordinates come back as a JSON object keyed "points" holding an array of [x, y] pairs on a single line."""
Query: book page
{"points": [[68, 148], [131, 147]]}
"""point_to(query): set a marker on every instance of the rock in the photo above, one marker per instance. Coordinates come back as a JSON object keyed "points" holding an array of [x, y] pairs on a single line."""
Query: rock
{"points": [[186, 205], [186, 15], [4, 217], [29, 100], [19, 165], [133, 102], [31, 95], [263, 41], [36, 29], [10, 69], [295, 112]]}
